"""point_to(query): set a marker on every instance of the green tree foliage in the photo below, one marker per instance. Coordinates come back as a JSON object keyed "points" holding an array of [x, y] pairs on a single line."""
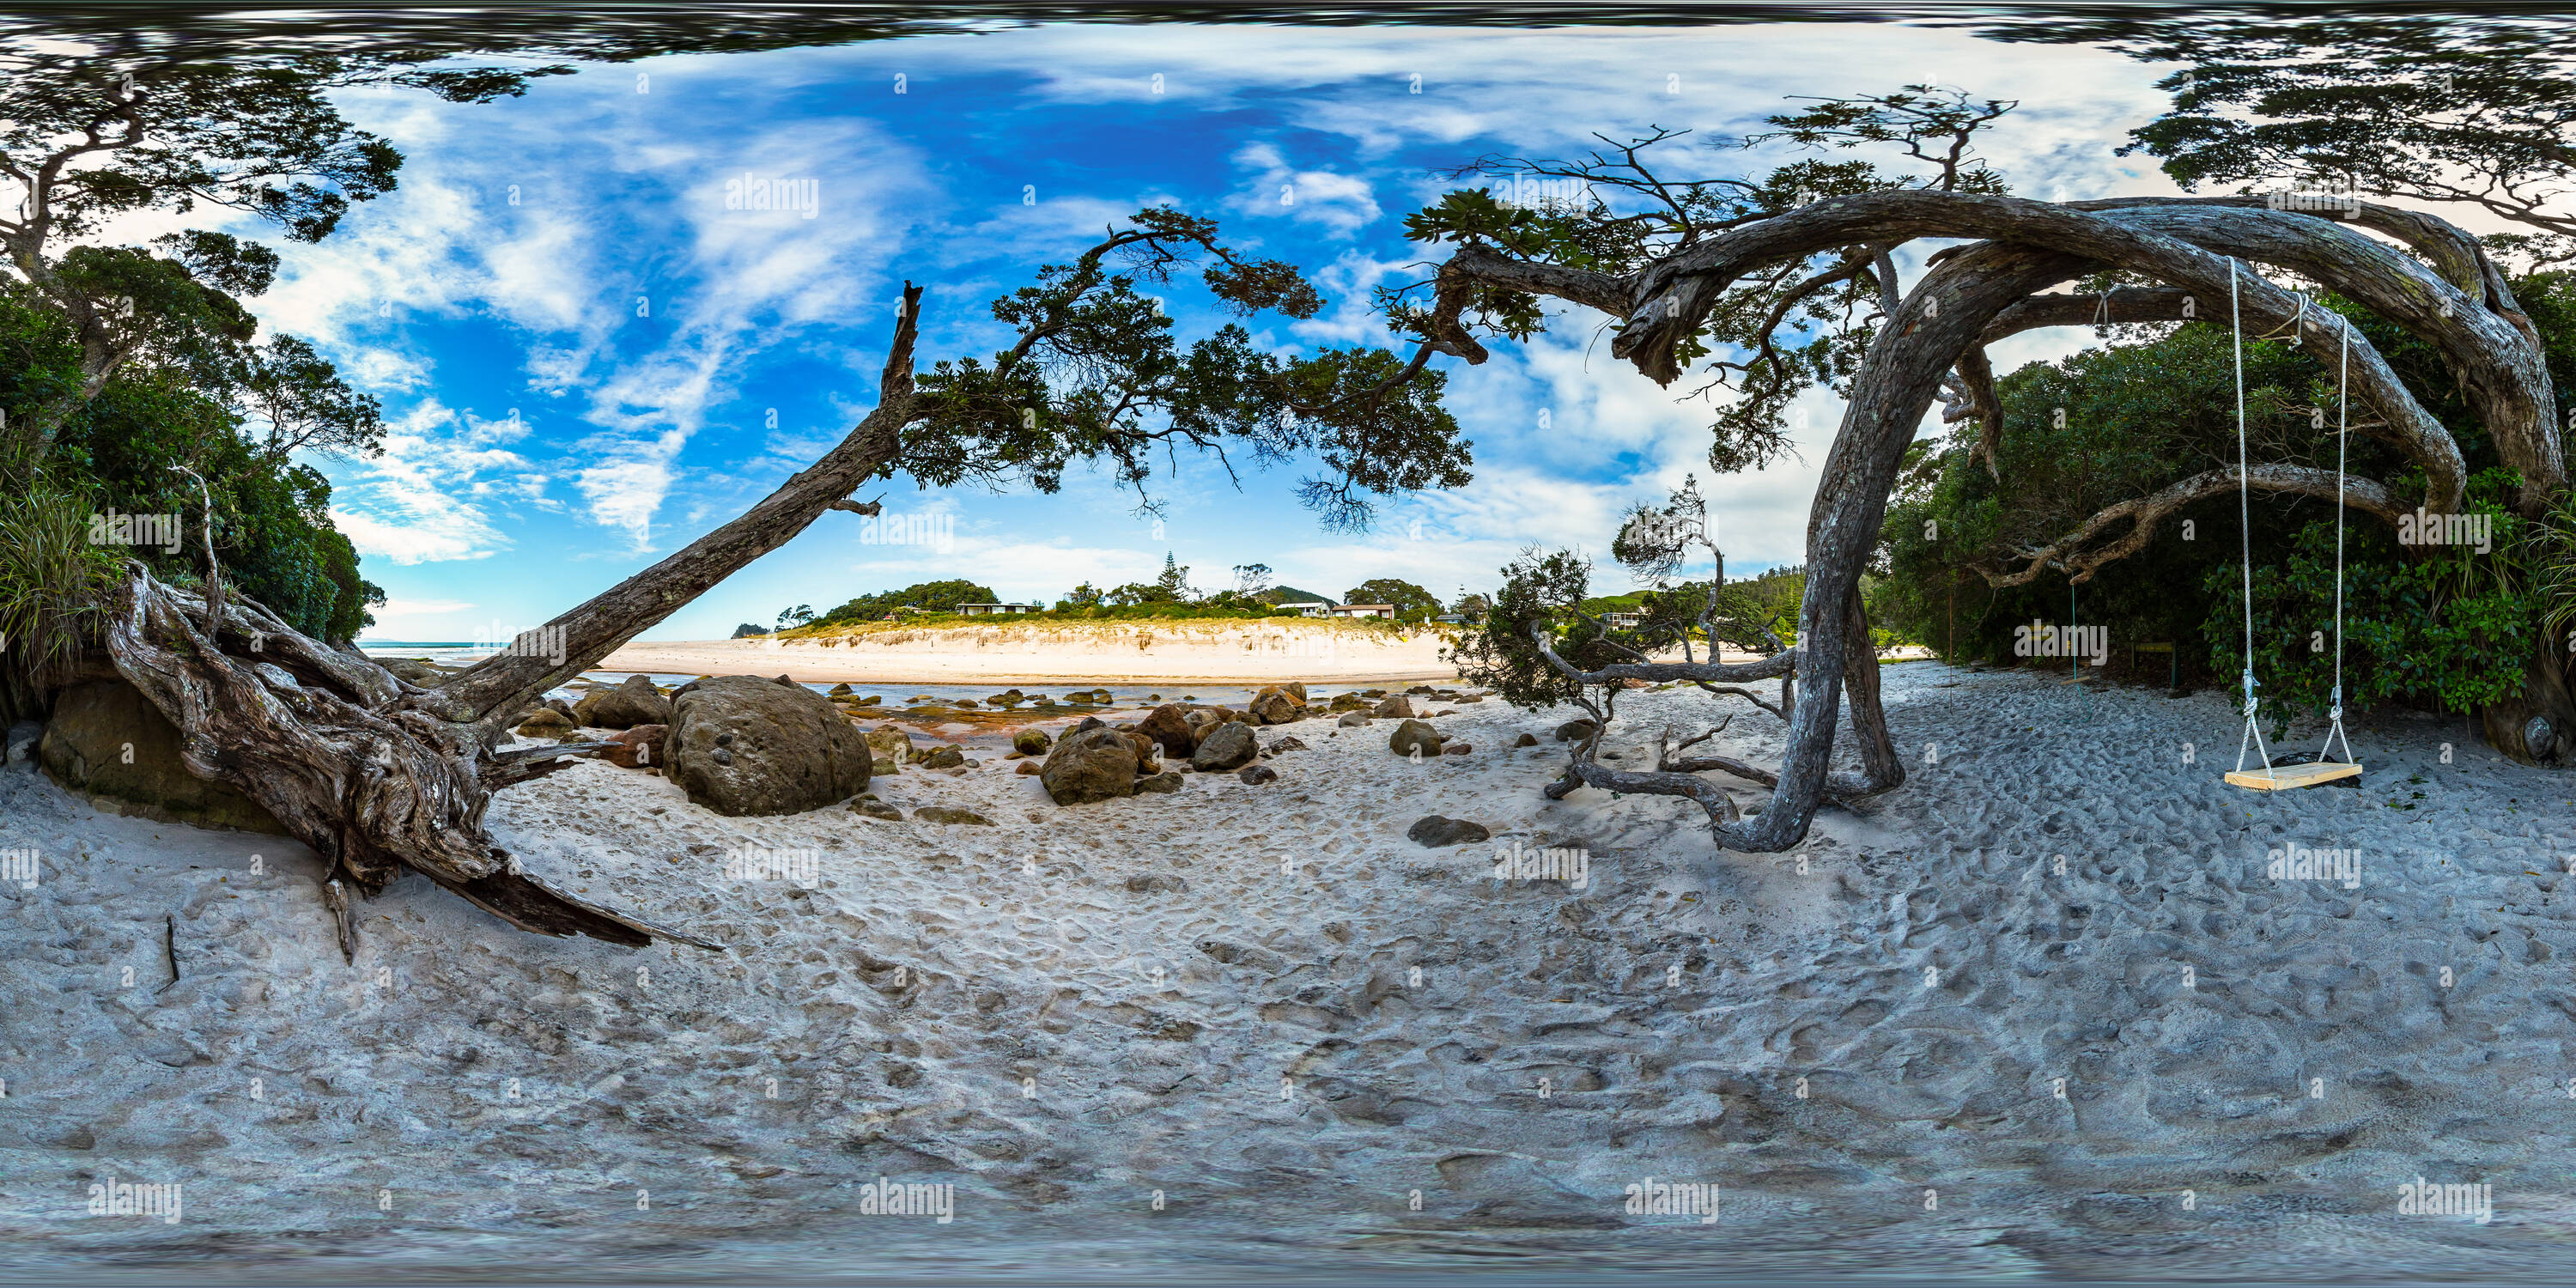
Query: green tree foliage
{"points": [[2453, 631], [51, 579], [125, 450], [1172, 587], [1096, 376], [1502, 653], [2436, 108], [2135, 417], [1411, 603], [1292, 595], [928, 596], [2434, 627]]}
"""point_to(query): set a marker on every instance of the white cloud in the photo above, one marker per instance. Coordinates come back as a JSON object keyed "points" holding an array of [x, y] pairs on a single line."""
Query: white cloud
{"points": [[1275, 189]]}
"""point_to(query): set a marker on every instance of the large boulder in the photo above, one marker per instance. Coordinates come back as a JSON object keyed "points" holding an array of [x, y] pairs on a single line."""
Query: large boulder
{"points": [[1087, 765], [1395, 708], [1168, 726], [1228, 746], [742, 745], [633, 702], [107, 740], [1412, 735], [1276, 705]]}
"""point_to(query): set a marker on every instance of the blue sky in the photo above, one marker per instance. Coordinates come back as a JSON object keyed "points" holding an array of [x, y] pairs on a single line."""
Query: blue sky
{"points": [[588, 360]]}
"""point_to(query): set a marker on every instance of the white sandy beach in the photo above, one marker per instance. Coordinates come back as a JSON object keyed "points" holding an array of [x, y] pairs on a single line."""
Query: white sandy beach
{"points": [[1233, 652], [1214, 996], [1245, 653]]}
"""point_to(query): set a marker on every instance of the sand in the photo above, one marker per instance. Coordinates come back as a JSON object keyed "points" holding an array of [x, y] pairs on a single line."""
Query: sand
{"points": [[1225, 652], [1211, 996]]}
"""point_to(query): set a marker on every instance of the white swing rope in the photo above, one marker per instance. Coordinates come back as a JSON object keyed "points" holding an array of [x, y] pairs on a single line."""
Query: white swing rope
{"points": [[2245, 532], [2343, 424]]}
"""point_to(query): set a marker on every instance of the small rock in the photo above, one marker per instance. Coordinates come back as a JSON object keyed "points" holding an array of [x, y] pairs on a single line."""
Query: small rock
{"points": [[637, 748], [1526, 740], [1275, 704], [1352, 720], [1284, 744], [545, 722], [1435, 832], [1166, 781], [944, 814], [1575, 730], [1258, 774], [943, 758], [839, 691], [1031, 767], [877, 809], [1415, 734], [1031, 742], [1455, 749], [1156, 883], [1395, 708]]}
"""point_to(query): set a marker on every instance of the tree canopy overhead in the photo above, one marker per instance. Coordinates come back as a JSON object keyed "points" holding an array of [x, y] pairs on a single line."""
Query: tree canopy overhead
{"points": [[2467, 108]]}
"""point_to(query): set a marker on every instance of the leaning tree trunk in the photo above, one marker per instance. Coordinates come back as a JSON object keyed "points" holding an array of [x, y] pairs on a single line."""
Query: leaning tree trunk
{"points": [[379, 775]]}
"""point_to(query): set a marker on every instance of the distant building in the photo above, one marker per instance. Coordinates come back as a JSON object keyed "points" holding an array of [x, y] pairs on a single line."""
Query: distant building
{"points": [[986, 610], [1624, 621], [1310, 607], [1361, 610]]}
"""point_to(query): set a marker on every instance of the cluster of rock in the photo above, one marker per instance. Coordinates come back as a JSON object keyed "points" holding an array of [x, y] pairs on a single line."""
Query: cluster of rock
{"points": [[1095, 761]]}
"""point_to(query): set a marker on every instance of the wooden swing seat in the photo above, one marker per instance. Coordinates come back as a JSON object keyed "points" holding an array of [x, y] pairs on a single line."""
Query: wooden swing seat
{"points": [[2283, 778]]}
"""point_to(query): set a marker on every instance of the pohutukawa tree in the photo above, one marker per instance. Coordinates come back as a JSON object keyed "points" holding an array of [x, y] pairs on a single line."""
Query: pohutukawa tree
{"points": [[1698, 275]]}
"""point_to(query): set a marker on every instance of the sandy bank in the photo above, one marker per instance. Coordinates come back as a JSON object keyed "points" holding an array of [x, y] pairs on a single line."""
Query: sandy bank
{"points": [[1238, 652]]}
